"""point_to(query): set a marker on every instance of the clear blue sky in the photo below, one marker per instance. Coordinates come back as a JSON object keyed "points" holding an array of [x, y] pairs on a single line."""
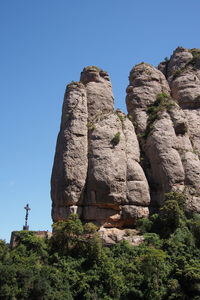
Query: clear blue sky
{"points": [[44, 45]]}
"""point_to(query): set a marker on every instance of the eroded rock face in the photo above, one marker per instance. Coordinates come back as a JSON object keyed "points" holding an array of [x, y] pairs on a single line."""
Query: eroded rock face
{"points": [[169, 135], [185, 88], [100, 98], [146, 82], [71, 162], [96, 170], [112, 169]]}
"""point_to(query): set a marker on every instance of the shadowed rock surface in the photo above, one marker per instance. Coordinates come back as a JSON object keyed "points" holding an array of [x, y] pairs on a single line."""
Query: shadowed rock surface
{"points": [[112, 169]]}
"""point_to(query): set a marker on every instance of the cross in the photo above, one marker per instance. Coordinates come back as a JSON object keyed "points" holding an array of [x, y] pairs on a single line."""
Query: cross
{"points": [[27, 208]]}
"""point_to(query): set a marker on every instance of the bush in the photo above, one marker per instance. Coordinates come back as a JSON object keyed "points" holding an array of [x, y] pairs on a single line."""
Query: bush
{"points": [[66, 234], [152, 240], [170, 217], [194, 226], [91, 126], [195, 61], [162, 267], [120, 115], [90, 228], [144, 225], [163, 103], [116, 139], [179, 197]]}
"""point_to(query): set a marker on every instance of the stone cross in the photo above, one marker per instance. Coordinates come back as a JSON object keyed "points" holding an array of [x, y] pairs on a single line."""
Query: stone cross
{"points": [[27, 208]]}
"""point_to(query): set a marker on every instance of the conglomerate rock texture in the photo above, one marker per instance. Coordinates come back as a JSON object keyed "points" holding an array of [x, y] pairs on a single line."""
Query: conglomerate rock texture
{"points": [[112, 169]]}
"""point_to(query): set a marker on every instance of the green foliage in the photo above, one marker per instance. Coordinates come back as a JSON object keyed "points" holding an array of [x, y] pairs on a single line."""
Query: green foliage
{"points": [[31, 243], [120, 115], [170, 217], [163, 103], [130, 117], [116, 139], [152, 240], [3, 250], [190, 278], [194, 226], [172, 214], [91, 126], [74, 264], [195, 61], [144, 225], [179, 197], [66, 234], [155, 269], [90, 228]]}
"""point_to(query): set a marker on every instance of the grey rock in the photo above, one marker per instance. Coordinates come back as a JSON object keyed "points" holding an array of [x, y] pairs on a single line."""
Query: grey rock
{"points": [[97, 162], [184, 80], [131, 213], [171, 146], [115, 177], [145, 83], [111, 236], [166, 167], [70, 164], [177, 63], [100, 98], [112, 169]]}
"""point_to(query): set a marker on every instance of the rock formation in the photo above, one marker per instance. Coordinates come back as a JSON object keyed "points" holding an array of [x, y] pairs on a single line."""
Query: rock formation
{"points": [[96, 170], [112, 169], [165, 107]]}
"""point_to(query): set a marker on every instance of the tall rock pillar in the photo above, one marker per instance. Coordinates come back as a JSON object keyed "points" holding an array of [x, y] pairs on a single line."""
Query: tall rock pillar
{"points": [[96, 170]]}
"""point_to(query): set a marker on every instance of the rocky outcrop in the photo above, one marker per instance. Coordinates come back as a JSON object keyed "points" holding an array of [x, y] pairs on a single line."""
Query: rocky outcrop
{"points": [[70, 163], [96, 170], [169, 136], [112, 169], [111, 236], [183, 74], [146, 82]]}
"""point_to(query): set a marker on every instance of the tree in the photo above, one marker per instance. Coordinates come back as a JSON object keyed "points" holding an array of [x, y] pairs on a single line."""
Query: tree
{"points": [[66, 234]]}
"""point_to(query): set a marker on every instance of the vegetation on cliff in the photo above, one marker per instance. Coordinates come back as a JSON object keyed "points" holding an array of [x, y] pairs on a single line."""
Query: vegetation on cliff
{"points": [[74, 264]]}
